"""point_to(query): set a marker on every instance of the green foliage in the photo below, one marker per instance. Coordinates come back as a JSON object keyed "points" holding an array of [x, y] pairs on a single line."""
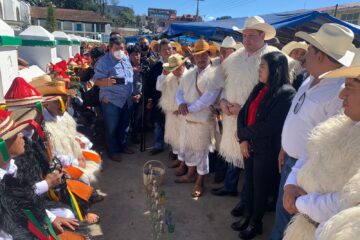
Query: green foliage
{"points": [[50, 20], [93, 5]]}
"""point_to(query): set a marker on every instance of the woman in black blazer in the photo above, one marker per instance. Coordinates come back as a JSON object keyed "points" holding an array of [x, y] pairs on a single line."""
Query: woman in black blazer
{"points": [[260, 123]]}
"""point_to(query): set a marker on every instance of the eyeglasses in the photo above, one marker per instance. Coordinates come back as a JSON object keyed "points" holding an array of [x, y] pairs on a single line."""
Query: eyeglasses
{"points": [[299, 103]]}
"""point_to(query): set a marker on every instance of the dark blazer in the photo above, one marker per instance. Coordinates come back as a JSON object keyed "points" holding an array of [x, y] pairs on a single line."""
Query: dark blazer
{"points": [[265, 134], [151, 92]]}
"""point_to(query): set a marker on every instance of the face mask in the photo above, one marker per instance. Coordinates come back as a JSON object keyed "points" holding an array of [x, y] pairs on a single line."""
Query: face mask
{"points": [[144, 47], [119, 54], [28, 133]]}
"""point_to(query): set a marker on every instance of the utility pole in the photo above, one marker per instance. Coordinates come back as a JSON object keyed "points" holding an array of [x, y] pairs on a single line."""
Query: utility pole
{"points": [[197, 8], [336, 8]]}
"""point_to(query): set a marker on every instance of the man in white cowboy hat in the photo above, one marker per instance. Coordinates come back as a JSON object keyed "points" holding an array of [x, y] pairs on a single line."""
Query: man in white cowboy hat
{"points": [[198, 90], [329, 175], [228, 46], [315, 102], [173, 121], [297, 50], [241, 75]]}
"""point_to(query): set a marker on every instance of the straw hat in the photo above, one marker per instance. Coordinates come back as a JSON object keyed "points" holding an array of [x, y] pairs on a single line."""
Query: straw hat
{"points": [[177, 46], [46, 86], [13, 122], [229, 42], [257, 23], [200, 47], [288, 48], [346, 72], [174, 62], [334, 40], [22, 94]]}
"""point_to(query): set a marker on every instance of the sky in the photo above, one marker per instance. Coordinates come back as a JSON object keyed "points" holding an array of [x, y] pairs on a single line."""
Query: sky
{"points": [[210, 9]]}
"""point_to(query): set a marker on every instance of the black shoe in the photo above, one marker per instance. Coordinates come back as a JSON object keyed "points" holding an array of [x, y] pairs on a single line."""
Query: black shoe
{"points": [[240, 225], [238, 210], [251, 231], [219, 179], [223, 192]]}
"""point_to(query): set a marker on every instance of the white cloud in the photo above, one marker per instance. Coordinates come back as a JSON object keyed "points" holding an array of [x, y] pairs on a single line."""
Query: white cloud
{"points": [[209, 18]]}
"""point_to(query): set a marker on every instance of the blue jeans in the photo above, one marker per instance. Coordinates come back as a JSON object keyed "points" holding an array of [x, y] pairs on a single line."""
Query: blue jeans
{"points": [[159, 131], [232, 178], [282, 217], [116, 121]]}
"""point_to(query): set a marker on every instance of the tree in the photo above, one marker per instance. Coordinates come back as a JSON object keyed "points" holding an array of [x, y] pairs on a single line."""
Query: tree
{"points": [[125, 18], [223, 18], [50, 20]]}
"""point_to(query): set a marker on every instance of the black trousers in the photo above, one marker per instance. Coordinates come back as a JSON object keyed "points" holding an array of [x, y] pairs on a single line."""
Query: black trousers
{"points": [[261, 180]]}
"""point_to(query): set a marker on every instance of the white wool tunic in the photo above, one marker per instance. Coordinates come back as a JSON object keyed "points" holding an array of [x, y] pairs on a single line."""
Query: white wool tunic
{"points": [[169, 105], [331, 174], [63, 133], [241, 75]]}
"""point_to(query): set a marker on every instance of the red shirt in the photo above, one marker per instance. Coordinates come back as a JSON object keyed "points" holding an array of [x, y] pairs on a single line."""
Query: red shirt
{"points": [[254, 105]]}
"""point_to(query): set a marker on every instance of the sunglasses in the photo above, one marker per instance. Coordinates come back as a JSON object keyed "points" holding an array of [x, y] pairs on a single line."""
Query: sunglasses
{"points": [[299, 103]]}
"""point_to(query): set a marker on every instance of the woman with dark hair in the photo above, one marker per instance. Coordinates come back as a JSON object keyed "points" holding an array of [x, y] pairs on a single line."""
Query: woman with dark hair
{"points": [[260, 123]]}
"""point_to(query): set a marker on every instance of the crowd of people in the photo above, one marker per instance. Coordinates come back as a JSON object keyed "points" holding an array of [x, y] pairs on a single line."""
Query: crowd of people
{"points": [[288, 119]]}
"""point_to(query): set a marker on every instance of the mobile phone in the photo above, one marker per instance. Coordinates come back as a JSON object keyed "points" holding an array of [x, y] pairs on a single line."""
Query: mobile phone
{"points": [[120, 81]]}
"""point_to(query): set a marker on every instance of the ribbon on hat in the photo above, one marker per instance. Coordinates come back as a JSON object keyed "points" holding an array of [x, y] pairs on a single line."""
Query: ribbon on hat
{"points": [[79, 59], [75, 205], [62, 105], [32, 123], [39, 106], [4, 151]]}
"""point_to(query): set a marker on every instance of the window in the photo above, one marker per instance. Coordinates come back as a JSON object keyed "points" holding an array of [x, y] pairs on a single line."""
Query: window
{"points": [[89, 27], [100, 28], [351, 18], [42, 23], [67, 26], [79, 27], [58, 25]]}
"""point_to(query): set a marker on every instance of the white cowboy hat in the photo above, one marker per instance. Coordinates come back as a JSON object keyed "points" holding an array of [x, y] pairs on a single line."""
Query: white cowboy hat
{"points": [[257, 23], [288, 48], [334, 40], [174, 62], [229, 42], [346, 72]]}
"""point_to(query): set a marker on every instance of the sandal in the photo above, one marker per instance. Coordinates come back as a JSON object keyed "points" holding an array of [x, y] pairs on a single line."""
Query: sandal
{"points": [[92, 218], [197, 191], [185, 179]]}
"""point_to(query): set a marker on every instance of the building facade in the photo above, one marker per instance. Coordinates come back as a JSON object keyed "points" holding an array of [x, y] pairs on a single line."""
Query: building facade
{"points": [[15, 13], [346, 12], [79, 22]]}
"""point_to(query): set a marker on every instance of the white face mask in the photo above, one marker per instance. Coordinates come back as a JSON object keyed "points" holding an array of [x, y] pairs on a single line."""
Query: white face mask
{"points": [[28, 133], [119, 54]]}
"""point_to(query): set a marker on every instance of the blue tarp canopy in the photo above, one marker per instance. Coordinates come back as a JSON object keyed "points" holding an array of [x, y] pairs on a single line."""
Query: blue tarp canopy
{"points": [[286, 24]]}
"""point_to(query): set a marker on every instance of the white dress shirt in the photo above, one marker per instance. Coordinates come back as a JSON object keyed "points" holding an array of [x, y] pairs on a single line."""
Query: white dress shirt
{"points": [[321, 102], [320, 207], [203, 102]]}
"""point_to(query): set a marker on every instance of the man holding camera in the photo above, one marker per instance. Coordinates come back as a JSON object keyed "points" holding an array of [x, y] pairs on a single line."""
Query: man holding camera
{"points": [[114, 76]]}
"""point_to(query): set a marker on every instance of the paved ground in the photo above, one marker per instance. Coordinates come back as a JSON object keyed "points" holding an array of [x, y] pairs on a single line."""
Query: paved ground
{"points": [[123, 211]]}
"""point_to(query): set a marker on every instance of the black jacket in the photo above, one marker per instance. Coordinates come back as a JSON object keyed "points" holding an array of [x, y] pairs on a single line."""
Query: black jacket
{"points": [[265, 134], [151, 92]]}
